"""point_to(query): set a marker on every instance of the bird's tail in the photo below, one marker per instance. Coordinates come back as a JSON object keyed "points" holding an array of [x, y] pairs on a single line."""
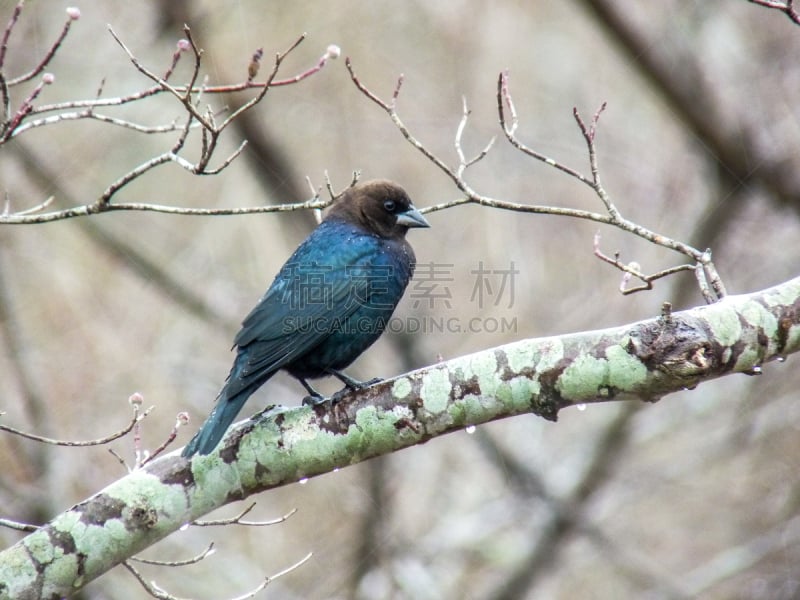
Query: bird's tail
{"points": [[217, 423]]}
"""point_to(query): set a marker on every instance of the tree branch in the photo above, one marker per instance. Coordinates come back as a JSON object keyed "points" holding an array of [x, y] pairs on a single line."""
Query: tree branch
{"points": [[710, 283], [785, 6], [13, 123], [644, 360]]}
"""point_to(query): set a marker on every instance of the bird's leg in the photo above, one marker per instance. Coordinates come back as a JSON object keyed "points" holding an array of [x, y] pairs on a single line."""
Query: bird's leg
{"points": [[350, 384], [353, 384], [314, 398]]}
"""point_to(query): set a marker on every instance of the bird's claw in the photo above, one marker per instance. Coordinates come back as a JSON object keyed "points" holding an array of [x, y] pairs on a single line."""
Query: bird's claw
{"points": [[314, 400], [337, 396], [360, 385], [353, 386]]}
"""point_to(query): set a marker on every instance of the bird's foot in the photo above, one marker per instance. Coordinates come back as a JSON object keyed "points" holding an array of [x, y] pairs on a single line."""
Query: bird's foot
{"points": [[360, 385], [353, 384], [315, 400]]}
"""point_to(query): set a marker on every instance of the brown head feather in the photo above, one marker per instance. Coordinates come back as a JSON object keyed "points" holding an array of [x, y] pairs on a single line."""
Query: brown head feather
{"points": [[378, 206]]}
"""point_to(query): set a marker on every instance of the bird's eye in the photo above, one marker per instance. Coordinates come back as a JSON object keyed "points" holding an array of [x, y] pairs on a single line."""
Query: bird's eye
{"points": [[389, 205]]}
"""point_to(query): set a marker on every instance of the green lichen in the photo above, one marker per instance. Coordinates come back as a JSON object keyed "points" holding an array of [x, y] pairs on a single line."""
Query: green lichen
{"points": [[41, 547], [468, 411], [725, 325], [370, 432], [65, 569], [783, 295], [17, 571], [520, 356], [758, 316], [749, 357], [583, 378], [148, 490], [522, 390], [401, 388], [625, 370], [792, 340], [435, 390], [483, 366]]}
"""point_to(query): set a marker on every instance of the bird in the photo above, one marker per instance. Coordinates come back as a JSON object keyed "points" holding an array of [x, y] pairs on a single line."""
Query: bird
{"points": [[330, 301]]}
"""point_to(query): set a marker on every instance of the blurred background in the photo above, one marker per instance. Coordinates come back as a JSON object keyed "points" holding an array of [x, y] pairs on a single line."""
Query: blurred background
{"points": [[696, 496]]}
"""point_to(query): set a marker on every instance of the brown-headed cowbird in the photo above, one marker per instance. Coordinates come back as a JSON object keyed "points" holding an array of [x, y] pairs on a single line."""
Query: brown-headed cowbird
{"points": [[330, 301]]}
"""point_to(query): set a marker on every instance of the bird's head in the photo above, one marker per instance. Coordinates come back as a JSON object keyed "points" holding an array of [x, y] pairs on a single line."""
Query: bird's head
{"points": [[379, 206]]}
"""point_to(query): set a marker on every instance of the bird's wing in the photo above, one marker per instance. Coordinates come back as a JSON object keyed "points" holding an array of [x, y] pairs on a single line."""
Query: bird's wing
{"points": [[297, 312]]}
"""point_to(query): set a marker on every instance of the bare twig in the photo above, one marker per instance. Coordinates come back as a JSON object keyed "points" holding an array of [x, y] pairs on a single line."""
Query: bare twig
{"points": [[205, 89], [279, 58], [177, 563], [633, 269], [156, 592], [509, 122], [10, 123], [29, 211], [786, 7], [90, 114], [713, 289], [185, 97], [331, 52], [211, 131], [137, 417], [237, 520], [389, 108], [272, 578], [151, 587], [463, 163], [181, 420], [188, 95], [90, 209], [8, 128], [12, 21], [73, 14], [17, 525]]}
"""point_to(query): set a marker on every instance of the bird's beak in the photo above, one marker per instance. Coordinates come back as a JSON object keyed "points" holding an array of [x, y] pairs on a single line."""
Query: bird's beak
{"points": [[412, 218]]}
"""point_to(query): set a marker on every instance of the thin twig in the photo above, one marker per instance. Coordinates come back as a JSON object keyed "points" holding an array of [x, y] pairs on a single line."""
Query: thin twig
{"points": [[72, 15], [176, 563], [389, 107], [29, 211], [17, 525], [156, 592], [509, 121], [272, 578], [90, 209], [12, 21], [505, 102], [24, 108], [150, 588], [237, 520], [89, 114], [786, 7], [463, 163], [97, 442], [633, 269], [183, 96], [180, 420]]}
